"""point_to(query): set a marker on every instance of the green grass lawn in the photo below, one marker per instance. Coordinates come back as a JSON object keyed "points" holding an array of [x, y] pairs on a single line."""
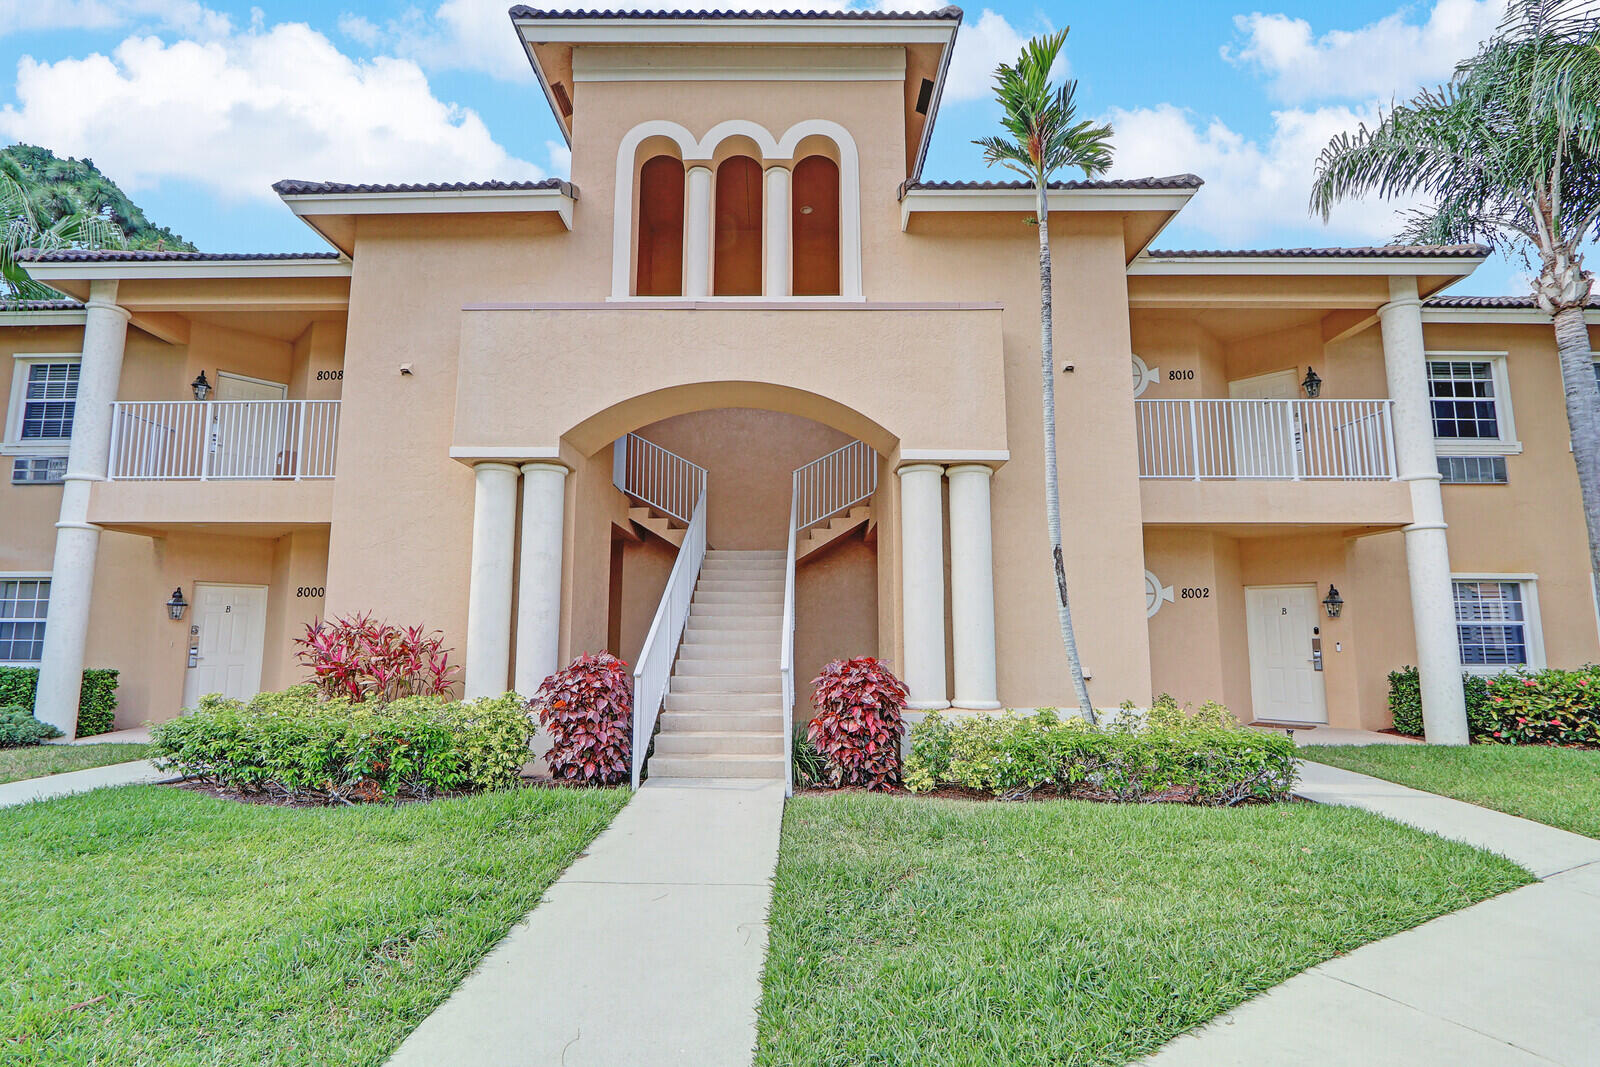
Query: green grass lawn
{"points": [[151, 925], [916, 931], [1559, 786], [40, 760]]}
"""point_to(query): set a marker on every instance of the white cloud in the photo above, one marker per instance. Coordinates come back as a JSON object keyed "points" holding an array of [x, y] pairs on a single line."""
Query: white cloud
{"points": [[1387, 58], [1252, 189], [982, 45], [237, 113], [184, 16]]}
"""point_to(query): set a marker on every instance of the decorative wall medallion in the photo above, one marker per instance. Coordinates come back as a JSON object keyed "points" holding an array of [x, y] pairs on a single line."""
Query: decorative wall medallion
{"points": [[1154, 592], [1143, 376]]}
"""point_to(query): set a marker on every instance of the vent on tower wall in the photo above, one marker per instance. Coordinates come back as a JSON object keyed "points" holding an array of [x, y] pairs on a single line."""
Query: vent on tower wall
{"points": [[924, 96], [563, 101]]}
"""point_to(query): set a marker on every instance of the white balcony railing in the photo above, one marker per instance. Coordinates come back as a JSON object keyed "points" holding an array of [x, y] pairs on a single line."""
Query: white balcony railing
{"points": [[223, 440], [1266, 439]]}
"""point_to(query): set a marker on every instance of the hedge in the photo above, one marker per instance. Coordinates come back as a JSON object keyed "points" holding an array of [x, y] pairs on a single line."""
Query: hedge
{"points": [[1169, 755], [294, 744], [1551, 706], [97, 700]]}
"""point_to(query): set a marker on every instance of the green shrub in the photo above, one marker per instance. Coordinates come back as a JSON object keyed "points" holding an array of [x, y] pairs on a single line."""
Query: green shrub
{"points": [[1168, 754], [1548, 707], [97, 700], [1551, 707], [292, 743], [18, 728], [810, 769]]}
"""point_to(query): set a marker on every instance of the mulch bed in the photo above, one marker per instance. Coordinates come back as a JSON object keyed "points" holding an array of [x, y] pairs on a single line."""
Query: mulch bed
{"points": [[1094, 796]]}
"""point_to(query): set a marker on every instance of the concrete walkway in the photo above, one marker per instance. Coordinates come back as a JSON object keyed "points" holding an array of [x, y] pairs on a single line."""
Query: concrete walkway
{"points": [[1506, 982], [137, 772], [648, 950], [133, 735]]}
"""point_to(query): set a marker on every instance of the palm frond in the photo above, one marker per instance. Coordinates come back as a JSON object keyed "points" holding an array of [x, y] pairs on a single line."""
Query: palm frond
{"points": [[1046, 135]]}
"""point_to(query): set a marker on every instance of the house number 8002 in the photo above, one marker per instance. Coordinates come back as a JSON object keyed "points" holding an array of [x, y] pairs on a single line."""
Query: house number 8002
{"points": [[1200, 593]]}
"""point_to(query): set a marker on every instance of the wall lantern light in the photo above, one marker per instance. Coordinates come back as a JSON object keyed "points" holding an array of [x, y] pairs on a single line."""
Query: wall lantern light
{"points": [[176, 606], [201, 387], [1333, 602], [1311, 384]]}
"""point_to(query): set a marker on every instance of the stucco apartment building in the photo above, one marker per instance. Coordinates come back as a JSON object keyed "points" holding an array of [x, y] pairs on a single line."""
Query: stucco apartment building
{"points": [[521, 412]]}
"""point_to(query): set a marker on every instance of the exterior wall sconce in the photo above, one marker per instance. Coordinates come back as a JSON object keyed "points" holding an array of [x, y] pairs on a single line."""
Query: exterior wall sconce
{"points": [[201, 387], [1312, 384], [177, 605], [1333, 602]]}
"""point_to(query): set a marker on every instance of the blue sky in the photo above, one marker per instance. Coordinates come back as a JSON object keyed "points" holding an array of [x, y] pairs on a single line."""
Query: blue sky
{"points": [[196, 106]]}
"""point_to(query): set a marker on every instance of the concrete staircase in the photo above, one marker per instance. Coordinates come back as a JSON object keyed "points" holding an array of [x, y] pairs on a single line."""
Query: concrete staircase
{"points": [[658, 523], [825, 534], [723, 716]]}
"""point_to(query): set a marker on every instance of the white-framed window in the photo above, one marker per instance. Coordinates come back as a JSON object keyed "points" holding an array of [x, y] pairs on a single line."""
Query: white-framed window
{"points": [[1471, 403], [1497, 622], [24, 603], [44, 402]]}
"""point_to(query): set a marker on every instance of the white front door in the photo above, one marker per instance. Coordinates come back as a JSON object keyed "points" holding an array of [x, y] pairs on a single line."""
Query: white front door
{"points": [[227, 637], [247, 438], [1285, 685], [1265, 436]]}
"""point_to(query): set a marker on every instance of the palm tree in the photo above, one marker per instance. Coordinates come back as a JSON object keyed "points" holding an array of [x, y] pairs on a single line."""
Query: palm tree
{"points": [[1045, 136], [1509, 154], [26, 227]]}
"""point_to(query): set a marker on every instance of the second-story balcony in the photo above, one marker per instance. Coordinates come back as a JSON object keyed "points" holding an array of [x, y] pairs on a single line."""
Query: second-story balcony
{"points": [[1265, 462], [256, 467], [223, 440]]}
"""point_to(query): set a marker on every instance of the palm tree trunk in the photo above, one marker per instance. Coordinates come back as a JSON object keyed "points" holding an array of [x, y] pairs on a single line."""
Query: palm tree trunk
{"points": [[1583, 416], [1052, 484]]}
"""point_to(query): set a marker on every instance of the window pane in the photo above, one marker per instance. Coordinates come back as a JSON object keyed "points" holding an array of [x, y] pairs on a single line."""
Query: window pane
{"points": [[1490, 624], [49, 400], [23, 606], [1463, 400]]}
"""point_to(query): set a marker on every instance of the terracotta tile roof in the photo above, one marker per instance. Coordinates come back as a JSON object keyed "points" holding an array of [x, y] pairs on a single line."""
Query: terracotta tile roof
{"points": [[522, 11], [1357, 252], [118, 255], [296, 187], [1171, 181], [1508, 302]]}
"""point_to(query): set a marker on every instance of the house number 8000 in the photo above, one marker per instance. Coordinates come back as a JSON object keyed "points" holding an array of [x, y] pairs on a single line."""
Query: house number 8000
{"points": [[308, 591]]}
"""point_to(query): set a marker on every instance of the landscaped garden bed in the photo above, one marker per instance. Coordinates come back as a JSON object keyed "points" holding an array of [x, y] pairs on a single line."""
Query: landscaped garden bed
{"points": [[155, 926], [1553, 785], [919, 930]]}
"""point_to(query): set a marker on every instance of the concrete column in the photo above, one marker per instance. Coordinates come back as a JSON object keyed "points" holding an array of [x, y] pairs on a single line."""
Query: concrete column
{"points": [[105, 334], [922, 582], [697, 234], [544, 496], [776, 241], [972, 587], [1427, 552], [494, 530]]}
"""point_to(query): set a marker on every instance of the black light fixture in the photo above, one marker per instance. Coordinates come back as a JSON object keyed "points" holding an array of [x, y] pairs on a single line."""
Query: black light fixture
{"points": [[1311, 384], [177, 605], [201, 387], [1333, 602]]}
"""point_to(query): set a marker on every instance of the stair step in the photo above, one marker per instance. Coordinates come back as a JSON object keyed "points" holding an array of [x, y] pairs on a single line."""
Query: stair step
{"points": [[763, 597], [717, 766], [724, 701], [719, 743], [745, 553], [743, 573], [763, 662], [723, 632], [739, 585], [740, 607], [673, 722], [766, 682]]}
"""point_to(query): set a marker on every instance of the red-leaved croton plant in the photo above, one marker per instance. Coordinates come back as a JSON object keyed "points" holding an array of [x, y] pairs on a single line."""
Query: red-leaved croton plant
{"points": [[587, 708], [361, 659], [858, 726]]}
